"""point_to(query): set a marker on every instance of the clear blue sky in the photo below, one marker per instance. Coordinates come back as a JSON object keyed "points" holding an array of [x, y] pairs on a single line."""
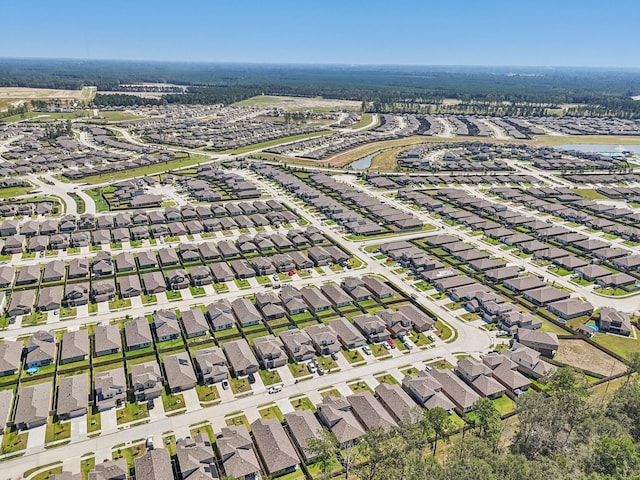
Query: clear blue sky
{"points": [[410, 32]]}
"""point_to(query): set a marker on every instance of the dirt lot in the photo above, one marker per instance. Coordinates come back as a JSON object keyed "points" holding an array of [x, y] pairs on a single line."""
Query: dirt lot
{"points": [[299, 103], [578, 353], [14, 96]]}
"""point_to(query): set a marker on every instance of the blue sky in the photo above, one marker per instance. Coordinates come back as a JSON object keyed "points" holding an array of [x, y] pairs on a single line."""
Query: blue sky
{"points": [[409, 32]]}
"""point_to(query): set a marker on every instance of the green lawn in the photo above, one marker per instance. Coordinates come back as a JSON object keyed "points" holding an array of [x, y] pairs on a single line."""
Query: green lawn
{"points": [[57, 431], [131, 412], [173, 295], [269, 377], [326, 363], [207, 393], [180, 162], [172, 401], [94, 423], [204, 429], [623, 346], [303, 403], [271, 412], [240, 385], [278, 141], [504, 404], [386, 378], [97, 195], [359, 387], [197, 291], [353, 356], [332, 391], [299, 370], [119, 303], [238, 420], [444, 332], [11, 192], [14, 441], [149, 299], [35, 318]]}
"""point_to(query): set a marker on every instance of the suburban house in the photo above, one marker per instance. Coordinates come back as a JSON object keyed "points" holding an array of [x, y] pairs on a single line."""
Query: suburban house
{"points": [[179, 372], [72, 399], [276, 451], [75, 346], [10, 357], [479, 377], [298, 344], [335, 414], [211, 365], [370, 411], [613, 321], [146, 380], [110, 388], [240, 357], [544, 342], [137, 333], [237, 454], [32, 406], [106, 340], [270, 351], [348, 334], [41, 349]]}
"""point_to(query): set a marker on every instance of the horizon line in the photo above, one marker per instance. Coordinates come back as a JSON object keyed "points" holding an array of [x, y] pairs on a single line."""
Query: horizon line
{"points": [[318, 64]]}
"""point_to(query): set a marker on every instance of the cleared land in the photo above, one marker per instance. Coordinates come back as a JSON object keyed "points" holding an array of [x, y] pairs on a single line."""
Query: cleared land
{"points": [[299, 103], [14, 96], [578, 353], [147, 170]]}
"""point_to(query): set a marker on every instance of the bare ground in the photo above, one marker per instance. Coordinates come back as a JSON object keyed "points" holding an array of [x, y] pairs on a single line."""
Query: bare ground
{"points": [[580, 354]]}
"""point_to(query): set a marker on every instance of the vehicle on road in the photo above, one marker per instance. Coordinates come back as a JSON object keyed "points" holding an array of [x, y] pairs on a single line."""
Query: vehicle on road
{"points": [[275, 389]]}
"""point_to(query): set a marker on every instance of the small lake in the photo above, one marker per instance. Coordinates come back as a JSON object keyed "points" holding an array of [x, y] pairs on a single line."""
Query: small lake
{"points": [[600, 148], [363, 163]]}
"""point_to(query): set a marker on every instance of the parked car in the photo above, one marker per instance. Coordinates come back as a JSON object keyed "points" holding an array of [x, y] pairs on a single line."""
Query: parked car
{"points": [[275, 389], [225, 384], [251, 378], [334, 355], [149, 443], [409, 344], [311, 367], [366, 350], [391, 343], [386, 345]]}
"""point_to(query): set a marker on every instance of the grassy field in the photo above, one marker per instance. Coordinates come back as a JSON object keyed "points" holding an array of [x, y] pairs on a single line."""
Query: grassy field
{"points": [[623, 346], [299, 103], [179, 162], [587, 139], [590, 194], [364, 121], [11, 192], [277, 141], [386, 160], [98, 198]]}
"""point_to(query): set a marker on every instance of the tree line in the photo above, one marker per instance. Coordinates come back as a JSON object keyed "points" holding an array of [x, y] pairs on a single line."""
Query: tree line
{"points": [[561, 433]]}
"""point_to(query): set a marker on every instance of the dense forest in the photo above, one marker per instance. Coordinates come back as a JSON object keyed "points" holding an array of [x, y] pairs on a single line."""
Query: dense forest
{"points": [[561, 434], [383, 88]]}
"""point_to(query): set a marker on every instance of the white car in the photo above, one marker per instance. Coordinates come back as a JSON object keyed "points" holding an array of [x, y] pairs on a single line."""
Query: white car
{"points": [[311, 367], [275, 389], [366, 350], [408, 343], [386, 345]]}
